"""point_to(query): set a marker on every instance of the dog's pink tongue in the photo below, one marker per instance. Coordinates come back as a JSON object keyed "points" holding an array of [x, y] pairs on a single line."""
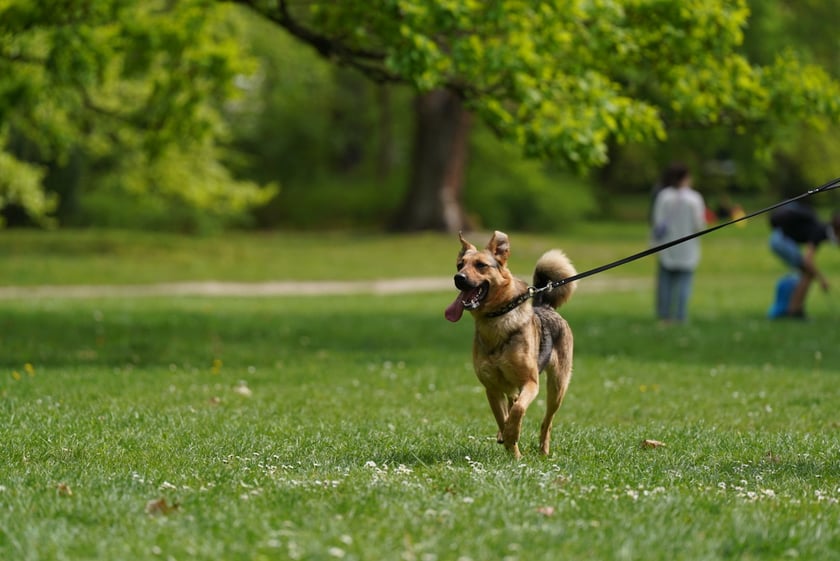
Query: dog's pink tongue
{"points": [[456, 309]]}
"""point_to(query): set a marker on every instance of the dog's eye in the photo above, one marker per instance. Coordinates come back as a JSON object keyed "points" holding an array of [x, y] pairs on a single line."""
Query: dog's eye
{"points": [[460, 265], [481, 266]]}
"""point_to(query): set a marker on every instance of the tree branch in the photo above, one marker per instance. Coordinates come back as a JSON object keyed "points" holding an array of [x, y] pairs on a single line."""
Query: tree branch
{"points": [[326, 47], [370, 62]]}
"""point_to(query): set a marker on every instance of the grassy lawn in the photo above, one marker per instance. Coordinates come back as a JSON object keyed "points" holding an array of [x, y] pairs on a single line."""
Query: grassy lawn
{"points": [[353, 427], [117, 257]]}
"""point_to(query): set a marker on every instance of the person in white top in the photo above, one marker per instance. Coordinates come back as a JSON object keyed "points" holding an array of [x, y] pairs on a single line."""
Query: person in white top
{"points": [[678, 211]]}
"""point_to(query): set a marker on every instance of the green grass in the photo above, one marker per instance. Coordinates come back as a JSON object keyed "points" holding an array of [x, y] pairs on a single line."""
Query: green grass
{"points": [[122, 257], [366, 435]]}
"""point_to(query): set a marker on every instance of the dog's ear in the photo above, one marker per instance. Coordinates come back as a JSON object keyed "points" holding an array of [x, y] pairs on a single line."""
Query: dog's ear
{"points": [[465, 245], [499, 246]]}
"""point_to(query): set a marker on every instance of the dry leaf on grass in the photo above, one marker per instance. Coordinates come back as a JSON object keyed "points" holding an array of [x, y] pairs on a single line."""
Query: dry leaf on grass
{"points": [[546, 510], [648, 443], [64, 490], [161, 506]]}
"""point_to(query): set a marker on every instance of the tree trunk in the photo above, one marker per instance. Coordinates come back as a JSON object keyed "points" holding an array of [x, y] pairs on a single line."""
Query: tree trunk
{"points": [[439, 157]]}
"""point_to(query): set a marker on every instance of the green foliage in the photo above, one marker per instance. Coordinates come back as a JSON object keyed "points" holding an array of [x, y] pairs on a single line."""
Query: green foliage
{"points": [[281, 124], [104, 208], [562, 79], [326, 153], [160, 100], [20, 184], [775, 29], [777, 158], [134, 86], [506, 191], [196, 177], [335, 141]]}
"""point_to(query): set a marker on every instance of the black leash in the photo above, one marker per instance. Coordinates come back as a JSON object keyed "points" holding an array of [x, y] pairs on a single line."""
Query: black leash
{"points": [[833, 184]]}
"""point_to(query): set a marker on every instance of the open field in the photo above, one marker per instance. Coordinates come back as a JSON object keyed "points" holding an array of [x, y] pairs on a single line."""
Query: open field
{"points": [[336, 427], [114, 257]]}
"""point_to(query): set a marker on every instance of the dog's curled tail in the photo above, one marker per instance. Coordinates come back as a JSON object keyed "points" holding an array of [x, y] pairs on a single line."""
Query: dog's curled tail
{"points": [[554, 266]]}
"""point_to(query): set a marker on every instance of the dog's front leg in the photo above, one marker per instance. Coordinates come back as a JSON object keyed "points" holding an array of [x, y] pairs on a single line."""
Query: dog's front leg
{"points": [[513, 425], [499, 404]]}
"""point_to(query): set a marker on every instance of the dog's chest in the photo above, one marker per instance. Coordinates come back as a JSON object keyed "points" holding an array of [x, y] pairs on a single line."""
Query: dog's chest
{"points": [[505, 363]]}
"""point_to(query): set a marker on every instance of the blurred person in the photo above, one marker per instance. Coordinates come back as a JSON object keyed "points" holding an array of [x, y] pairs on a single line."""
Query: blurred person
{"points": [[678, 211], [726, 210], [797, 233]]}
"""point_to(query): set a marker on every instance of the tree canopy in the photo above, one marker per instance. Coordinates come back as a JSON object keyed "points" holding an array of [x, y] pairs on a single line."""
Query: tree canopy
{"points": [[563, 78], [140, 97], [136, 86]]}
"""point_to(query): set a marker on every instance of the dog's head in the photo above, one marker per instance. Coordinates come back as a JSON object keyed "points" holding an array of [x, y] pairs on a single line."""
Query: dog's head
{"points": [[479, 272]]}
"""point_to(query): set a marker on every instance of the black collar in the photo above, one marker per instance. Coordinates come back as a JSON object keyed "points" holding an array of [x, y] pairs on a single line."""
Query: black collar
{"points": [[513, 304]]}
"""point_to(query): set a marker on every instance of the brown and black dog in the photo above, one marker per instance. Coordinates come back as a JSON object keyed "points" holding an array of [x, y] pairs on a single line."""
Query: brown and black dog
{"points": [[516, 337]]}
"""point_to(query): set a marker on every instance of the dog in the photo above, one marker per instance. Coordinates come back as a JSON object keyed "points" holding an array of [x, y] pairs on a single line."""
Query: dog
{"points": [[518, 333]]}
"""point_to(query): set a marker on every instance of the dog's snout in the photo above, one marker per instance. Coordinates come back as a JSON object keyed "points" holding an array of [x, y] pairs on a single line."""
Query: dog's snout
{"points": [[461, 282]]}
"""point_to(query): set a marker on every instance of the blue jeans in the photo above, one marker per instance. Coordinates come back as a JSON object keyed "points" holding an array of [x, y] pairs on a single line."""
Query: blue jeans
{"points": [[673, 289], [786, 249]]}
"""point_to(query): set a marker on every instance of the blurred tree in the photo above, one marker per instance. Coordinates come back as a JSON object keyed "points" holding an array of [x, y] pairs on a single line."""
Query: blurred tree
{"points": [[562, 79], [777, 157], [129, 89], [325, 132], [804, 156]]}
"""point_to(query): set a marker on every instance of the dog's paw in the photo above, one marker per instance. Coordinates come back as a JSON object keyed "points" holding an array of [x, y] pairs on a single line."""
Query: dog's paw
{"points": [[510, 436]]}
